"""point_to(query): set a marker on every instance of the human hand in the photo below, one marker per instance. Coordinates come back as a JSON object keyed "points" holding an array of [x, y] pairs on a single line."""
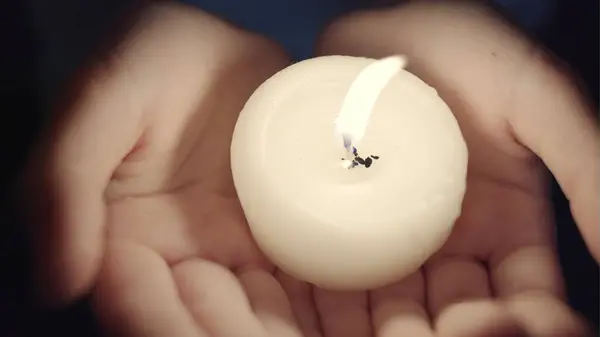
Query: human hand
{"points": [[147, 215], [137, 193], [499, 268]]}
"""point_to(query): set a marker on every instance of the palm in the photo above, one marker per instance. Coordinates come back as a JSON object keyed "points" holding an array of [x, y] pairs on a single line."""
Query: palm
{"points": [[158, 251], [194, 212], [501, 239], [171, 203], [497, 273]]}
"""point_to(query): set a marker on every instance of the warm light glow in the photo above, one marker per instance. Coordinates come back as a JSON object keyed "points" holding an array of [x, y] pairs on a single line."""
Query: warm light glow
{"points": [[360, 100]]}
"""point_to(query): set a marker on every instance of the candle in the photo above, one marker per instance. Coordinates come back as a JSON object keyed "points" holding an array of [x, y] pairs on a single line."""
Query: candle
{"points": [[351, 171]]}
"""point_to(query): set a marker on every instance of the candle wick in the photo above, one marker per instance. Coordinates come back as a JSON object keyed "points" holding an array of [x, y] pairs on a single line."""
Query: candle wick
{"points": [[358, 160]]}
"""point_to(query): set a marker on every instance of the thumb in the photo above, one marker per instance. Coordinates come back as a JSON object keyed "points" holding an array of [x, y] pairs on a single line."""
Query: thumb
{"points": [[555, 121], [65, 185]]}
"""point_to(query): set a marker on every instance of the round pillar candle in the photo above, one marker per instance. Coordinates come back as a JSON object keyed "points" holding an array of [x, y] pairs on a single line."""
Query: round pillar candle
{"points": [[351, 171]]}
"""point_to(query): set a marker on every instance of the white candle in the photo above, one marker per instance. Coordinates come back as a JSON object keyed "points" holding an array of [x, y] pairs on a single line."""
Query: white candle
{"points": [[324, 219]]}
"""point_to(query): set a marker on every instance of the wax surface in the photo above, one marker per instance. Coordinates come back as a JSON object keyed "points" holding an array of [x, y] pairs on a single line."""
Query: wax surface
{"points": [[339, 228]]}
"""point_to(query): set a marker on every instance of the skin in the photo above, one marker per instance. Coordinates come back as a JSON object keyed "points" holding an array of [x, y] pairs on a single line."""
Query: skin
{"points": [[140, 211]]}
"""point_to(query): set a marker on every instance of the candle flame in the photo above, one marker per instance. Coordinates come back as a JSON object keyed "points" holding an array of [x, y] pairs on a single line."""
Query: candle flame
{"points": [[360, 100]]}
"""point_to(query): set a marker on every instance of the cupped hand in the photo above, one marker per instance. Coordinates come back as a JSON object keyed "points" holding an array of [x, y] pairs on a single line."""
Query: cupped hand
{"points": [[498, 272], [138, 205]]}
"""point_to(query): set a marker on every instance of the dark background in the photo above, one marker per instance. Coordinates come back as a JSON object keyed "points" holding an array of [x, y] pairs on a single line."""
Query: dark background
{"points": [[43, 41]]}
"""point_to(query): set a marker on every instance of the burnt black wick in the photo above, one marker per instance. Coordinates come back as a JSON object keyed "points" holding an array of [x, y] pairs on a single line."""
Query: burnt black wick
{"points": [[358, 160]]}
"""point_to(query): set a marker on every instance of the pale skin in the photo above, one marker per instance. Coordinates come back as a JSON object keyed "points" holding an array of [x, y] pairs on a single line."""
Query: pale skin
{"points": [[140, 211]]}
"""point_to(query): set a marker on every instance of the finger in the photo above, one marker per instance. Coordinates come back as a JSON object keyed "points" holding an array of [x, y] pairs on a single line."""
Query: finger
{"points": [[486, 66], [302, 301], [343, 314], [136, 296], [527, 269], [568, 142], [481, 318], [543, 315], [216, 299], [94, 128], [68, 178], [528, 279], [399, 309], [452, 280], [270, 303]]}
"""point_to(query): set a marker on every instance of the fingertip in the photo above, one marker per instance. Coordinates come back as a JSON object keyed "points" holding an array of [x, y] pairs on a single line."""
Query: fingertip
{"points": [[136, 295], [484, 318], [542, 314], [586, 211], [269, 302], [62, 277], [216, 299], [353, 34], [569, 141], [67, 244]]}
